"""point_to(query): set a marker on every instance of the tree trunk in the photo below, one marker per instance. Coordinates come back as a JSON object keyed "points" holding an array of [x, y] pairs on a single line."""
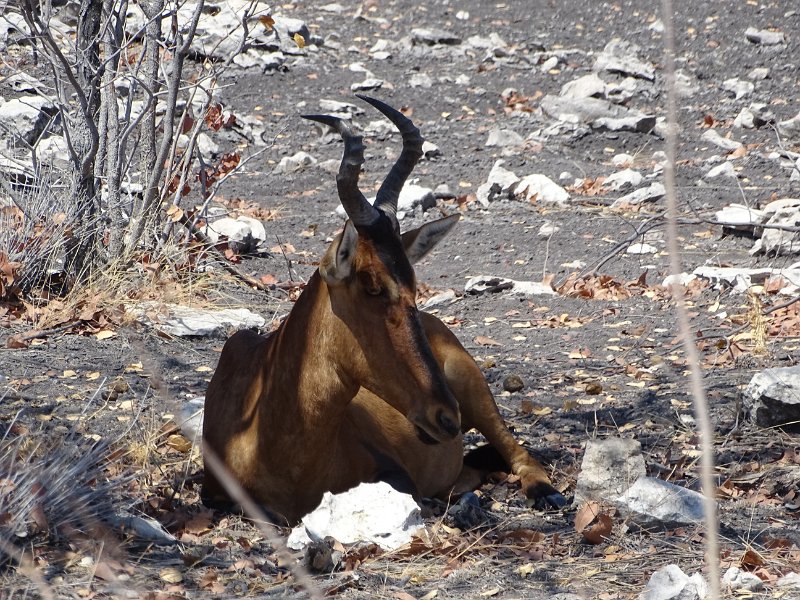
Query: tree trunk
{"points": [[153, 10], [82, 249]]}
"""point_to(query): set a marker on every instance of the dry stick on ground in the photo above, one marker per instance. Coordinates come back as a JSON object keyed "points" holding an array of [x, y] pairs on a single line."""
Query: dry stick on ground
{"points": [[260, 520], [696, 377]]}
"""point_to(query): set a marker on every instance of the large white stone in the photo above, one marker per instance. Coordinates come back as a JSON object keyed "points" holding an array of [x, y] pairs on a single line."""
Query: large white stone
{"points": [[542, 190], [370, 512]]}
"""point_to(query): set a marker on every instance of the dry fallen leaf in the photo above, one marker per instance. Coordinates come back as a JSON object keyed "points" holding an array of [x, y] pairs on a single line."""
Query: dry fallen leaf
{"points": [[267, 21], [593, 522], [482, 340], [179, 443], [171, 575]]}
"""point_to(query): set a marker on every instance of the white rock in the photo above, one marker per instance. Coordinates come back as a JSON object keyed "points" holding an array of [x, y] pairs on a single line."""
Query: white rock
{"points": [[550, 63], [740, 279], [333, 7], [678, 279], [411, 197], [51, 149], [433, 37], [686, 84], [739, 216], [144, 529], [334, 107], [627, 178], [641, 248], [379, 127], [492, 284], [206, 145], [712, 137], [745, 119], [652, 502], [504, 138], [790, 127], [773, 396], [671, 582], [784, 212], [24, 116], [637, 123], [185, 321], [584, 87], [738, 87], [189, 418], [370, 512], [493, 44], [655, 191], [422, 80], [622, 160], [619, 56], [498, 184], [737, 579], [258, 233], [547, 230], [445, 297], [542, 190], [581, 110], [244, 234], [22, 81], [725, 169], [764, 36], [372, 83], [759, 73], [430, 150], [790, 580], [621, 91], [296, 162], [609, 467]]}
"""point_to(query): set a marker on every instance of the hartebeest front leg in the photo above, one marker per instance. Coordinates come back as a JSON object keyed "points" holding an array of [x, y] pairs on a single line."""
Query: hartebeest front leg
{"points": [[479, 410]]}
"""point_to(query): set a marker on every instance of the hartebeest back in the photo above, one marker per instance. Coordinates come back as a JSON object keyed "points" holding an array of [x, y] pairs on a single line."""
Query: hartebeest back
{"points": [[356, 384]]}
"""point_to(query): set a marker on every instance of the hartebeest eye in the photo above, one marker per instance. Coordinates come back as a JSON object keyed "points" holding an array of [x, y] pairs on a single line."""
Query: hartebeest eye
{"points": [[371, 284]]}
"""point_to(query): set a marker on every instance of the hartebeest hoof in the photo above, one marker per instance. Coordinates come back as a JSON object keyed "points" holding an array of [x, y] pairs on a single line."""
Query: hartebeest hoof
{"points": [[544, 496]]}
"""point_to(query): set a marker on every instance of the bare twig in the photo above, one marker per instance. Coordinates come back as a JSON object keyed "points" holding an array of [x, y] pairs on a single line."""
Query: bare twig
{"points": [[698, 391]]}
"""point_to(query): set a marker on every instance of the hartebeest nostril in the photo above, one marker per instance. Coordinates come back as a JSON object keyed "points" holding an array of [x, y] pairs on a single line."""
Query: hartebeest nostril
{"points": [[447, 424]]}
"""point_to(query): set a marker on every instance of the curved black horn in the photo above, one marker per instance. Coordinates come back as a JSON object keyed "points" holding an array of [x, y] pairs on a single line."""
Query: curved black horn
{"points": [[386, 199], [355, 204]]}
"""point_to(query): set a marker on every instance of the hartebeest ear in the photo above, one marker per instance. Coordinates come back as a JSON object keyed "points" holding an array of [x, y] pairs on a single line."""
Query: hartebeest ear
{"points": [[337, 264], [418, 242]]}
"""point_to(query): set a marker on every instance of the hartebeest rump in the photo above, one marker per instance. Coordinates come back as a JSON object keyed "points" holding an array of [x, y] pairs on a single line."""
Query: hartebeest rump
{"points": [[356, 384]]}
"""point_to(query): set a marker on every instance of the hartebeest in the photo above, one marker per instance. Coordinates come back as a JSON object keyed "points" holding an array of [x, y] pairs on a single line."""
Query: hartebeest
{"points": [[356, 384]]}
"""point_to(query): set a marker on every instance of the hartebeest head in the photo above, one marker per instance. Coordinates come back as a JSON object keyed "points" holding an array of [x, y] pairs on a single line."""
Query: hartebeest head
{"points": [[372, 287]]}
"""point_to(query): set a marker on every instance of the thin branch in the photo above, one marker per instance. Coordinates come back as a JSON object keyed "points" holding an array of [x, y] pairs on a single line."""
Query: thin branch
{"points": [[701, 411]]}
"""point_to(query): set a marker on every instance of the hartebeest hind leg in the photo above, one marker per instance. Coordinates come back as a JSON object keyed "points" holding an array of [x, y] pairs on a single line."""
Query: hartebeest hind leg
{"points": [[479, 410]]}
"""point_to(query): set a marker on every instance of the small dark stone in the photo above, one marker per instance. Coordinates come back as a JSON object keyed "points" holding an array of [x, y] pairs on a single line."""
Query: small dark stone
{"points": [[513, 383]]}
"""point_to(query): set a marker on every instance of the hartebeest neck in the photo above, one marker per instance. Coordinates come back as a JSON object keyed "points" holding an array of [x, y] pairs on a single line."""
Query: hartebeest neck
{"points": [[305, 362]]}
